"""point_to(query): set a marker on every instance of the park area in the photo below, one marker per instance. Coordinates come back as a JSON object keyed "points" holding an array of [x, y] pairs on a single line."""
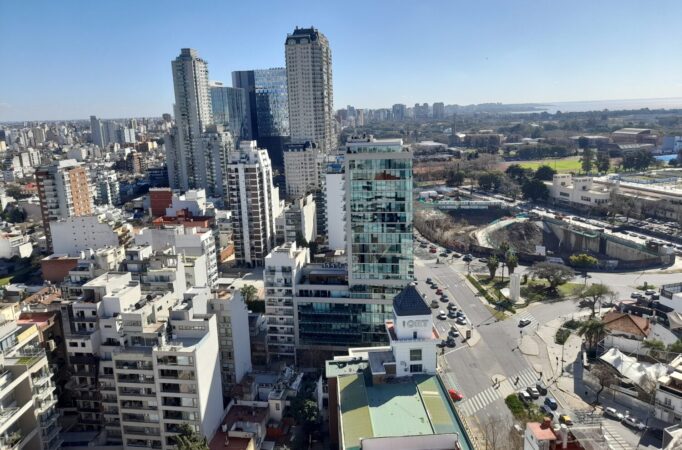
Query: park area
{"points": [[561, 165]]}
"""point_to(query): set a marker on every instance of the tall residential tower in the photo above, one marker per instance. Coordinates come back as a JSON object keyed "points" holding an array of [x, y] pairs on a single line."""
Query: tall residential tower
{"points": [[192, 115], [309, 81]]}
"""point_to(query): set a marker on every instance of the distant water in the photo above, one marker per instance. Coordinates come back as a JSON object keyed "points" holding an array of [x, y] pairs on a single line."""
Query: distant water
{"points": [[613, 105], [665, 158]]}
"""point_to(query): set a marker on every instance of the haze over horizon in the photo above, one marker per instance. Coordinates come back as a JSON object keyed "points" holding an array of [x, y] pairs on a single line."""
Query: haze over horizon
{"points": [[112, 63]]}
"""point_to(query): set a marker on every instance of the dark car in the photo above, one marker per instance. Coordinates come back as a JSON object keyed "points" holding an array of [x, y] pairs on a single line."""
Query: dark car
{"points": [[549, 401], [467, 258], [542, 389], [452, 307], [451, 342], [452, 315]]}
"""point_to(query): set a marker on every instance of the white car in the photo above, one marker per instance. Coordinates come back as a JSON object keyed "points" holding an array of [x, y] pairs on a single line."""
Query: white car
{"points": [[613, 413], [442, 315], [634, 423]]}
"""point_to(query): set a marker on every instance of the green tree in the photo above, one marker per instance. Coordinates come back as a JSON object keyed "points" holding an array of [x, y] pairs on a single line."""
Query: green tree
{"points": [[593, 296], [583, 261], [676, 347], [519, 174], [493, 264], [188, 439], [305, 412], [535, 190], [490, 181], [583, 142], [593, 331], [587, 160], [300, 239], [512, 263], [603, 161], [555, 274], [544, 173], [655, 347], [455, 178], [249, 292]]}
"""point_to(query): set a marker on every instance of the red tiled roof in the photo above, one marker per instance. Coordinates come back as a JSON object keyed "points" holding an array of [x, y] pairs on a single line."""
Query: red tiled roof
{"points": [[626, 323], [541, 433]]}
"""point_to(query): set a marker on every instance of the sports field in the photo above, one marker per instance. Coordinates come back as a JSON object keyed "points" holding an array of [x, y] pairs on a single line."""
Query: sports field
{"points": [[570, 164]]}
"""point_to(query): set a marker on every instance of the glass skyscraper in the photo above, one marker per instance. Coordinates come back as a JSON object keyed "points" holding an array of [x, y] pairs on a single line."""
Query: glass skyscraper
{"points": [[230, 109], [267, 105]]}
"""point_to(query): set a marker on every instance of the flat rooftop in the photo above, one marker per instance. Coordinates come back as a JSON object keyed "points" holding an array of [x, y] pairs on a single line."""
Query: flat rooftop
{"points": [[415, 406]]}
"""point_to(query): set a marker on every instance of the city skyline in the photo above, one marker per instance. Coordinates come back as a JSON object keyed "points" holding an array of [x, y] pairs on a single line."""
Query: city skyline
{"points": [[436, 52]]}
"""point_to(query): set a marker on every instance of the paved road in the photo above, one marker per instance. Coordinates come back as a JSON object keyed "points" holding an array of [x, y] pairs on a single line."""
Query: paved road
{"points": [[472, 370]]}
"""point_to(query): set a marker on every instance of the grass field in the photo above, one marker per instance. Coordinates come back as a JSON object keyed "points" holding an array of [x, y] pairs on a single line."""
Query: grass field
{"points": [[570, 164]]}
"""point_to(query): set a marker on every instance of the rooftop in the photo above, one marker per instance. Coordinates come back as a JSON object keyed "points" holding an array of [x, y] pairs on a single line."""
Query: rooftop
{"points": [[409, 302], [626, 323], [415, 406]]}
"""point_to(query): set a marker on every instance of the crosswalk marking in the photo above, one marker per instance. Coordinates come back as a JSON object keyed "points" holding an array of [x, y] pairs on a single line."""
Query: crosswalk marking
{"points": [[479, 401], [527, 377]]}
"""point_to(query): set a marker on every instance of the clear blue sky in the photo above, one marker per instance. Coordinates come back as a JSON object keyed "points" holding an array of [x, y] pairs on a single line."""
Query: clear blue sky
{"points": [[69, 59]]}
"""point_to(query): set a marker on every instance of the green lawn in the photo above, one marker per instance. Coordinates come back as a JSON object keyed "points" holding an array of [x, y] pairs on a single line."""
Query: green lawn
{"points": [[535, 291], [570, 164]]}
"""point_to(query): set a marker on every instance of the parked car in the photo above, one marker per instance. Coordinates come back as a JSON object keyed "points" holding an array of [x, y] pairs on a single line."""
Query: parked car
{"points": [[452, 315], [445, 299], [634, 423], [451, 342], [636, 295], [542, 389], [655, 297], [524, 322], [434, 304], [429, 280], [439, 292], [649, 292], [533, 392], [455, 395], [453, 332], [613, 413], [565, 419], [467, 258], [442, 344], [461, 320], [525, 397], [549, 401], [547, 411], [452, 307], [442, 315], [433, 250]]}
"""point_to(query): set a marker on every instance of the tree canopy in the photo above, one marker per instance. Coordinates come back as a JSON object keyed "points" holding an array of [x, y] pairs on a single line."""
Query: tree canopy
{"points": [[544, 173], [555, 274]]}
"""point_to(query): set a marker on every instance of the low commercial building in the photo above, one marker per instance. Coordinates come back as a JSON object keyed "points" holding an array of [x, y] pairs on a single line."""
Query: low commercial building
{"points": [[634, 136], [578, 191]]}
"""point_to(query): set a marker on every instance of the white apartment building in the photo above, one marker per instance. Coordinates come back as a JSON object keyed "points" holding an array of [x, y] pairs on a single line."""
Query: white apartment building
{"points": [[297, 220], [668, 404], [310, 89], [335, 196], [73, 235], [192, 242], [193, 201], [192, 114], [253, 202], [301, 169], [578, 191], [234, 340], [15, 243], [282, 271], [153, 360], [212, 174], [28, 417]]}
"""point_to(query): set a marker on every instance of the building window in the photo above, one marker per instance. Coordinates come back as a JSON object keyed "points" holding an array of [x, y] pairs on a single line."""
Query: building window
{"points": [[416, 355], [415, 368]]}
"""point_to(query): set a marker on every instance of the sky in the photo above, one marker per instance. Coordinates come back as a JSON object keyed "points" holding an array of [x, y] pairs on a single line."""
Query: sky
{"points": [[75, 58]]}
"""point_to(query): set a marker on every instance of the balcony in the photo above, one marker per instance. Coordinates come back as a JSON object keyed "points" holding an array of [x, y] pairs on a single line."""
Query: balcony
{"points": [[11, 441]]}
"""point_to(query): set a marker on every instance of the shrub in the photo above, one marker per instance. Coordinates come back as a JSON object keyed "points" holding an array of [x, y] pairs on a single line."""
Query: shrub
{"points": [[515, 405], [572, 324], [561, 336]]}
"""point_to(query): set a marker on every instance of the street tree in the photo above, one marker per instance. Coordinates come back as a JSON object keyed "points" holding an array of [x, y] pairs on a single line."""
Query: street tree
{"points": [[555, 274], [603, 161], [249, 292], [593, 296], [305, 412], [490, 181], [518, 173], [499, 434], [593, 331], [544, 173], [605, 376], [587, 160], [583, 142], [535, 190], [583, 261], [189, 439], [455, 178], [493, 264]]}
